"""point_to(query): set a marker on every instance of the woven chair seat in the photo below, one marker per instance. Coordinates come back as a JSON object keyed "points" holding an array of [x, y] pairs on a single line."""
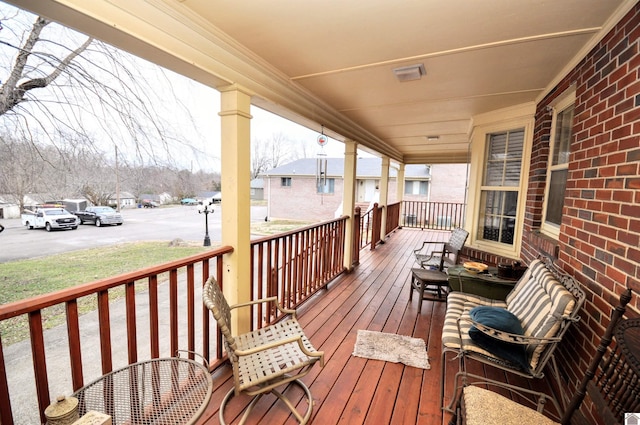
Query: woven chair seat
{"points": [[264, 359], [262, 366]]}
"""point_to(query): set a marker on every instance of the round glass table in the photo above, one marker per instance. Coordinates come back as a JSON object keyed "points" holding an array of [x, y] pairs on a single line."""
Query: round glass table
{"points": [[160, 391]]}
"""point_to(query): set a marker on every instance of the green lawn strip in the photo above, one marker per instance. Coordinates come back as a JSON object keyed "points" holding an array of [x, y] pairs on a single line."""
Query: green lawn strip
{"points": [[277, 226], [29, 278]]}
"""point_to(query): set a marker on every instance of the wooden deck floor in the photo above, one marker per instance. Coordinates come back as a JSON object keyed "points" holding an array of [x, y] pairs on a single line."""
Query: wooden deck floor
{"points": [[352, 390]]}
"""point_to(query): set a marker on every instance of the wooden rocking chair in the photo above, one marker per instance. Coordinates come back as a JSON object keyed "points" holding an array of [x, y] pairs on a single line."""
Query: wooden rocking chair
{"points": [[266, 358]]}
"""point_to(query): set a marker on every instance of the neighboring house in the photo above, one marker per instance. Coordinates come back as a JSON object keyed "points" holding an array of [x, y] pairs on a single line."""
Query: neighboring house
{"points": [[257, 189], [127, 200], [209, 196], [310, 189], [9, 208]]}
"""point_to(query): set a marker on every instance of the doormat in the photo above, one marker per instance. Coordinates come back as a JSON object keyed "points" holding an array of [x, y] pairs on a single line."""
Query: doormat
{"points": [[392, 348]]}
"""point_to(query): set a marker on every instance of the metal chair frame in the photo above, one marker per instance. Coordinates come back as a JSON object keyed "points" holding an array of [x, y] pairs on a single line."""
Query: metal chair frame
{"points": [[615, 367], [441, 258], [546, 357], [264, 359]]}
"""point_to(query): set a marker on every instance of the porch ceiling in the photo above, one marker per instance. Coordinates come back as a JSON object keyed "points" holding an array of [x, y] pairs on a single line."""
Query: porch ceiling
{"points": [[330, 62]]}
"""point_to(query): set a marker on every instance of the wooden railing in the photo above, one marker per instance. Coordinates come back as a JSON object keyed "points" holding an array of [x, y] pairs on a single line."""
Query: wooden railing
{"points": [[143, 289], [393, 217], [432, 215], [293, 266], [368, 226]]}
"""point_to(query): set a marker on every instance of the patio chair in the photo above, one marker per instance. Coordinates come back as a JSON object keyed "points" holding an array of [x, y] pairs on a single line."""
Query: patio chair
{"points": [[519, 335], [266, 358], [615, 390], [438, 254]]}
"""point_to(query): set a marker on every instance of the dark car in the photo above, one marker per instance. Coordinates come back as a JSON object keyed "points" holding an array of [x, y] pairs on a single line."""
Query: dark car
{"points": [[100, 216], [147, 203]]}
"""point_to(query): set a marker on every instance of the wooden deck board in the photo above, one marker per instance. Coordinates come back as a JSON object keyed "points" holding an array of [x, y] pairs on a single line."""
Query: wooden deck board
{"points": [[352, 390]]}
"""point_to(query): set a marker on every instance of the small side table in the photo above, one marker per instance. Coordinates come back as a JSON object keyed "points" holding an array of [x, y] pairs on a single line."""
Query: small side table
{"points": [[422, 279], [159, 391], [487, 285]]}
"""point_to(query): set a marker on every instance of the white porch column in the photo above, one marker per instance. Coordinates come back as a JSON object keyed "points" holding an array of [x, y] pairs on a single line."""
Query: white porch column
{"points": [[349, 198], [384, 194], [235, 113], [400, 184], [400, 190]]}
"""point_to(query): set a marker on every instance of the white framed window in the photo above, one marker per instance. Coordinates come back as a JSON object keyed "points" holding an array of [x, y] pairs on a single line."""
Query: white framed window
{"points": [[500, 189], [326, 186], [416, 187], [558, 164], [285, 181]]}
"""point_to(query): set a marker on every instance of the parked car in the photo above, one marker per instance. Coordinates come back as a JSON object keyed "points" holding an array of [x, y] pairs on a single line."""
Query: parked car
{"points": [[49, 218], [147, 203], [189, 201], [99, 216]]}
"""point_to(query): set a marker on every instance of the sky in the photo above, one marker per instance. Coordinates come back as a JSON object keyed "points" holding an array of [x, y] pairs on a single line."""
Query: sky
{"points": [[205, 105], [196, 145]]}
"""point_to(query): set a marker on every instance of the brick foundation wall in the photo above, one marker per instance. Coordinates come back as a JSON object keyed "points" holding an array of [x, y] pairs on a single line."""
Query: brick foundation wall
{"points": [[600, 232]]}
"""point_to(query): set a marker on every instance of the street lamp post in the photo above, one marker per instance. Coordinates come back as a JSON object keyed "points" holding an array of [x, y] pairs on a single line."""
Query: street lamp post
{"points": [[206, 211]]}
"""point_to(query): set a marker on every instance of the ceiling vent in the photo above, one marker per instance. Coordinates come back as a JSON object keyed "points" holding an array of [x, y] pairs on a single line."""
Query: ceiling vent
{"points": [[409, 73]]}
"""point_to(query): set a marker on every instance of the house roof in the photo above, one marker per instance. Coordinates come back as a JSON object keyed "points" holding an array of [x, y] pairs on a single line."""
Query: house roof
{"points": [[366, 168]]}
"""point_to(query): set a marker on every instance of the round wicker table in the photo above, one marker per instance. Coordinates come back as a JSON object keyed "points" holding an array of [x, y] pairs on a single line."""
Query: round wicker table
{"points": [[159, 391]]}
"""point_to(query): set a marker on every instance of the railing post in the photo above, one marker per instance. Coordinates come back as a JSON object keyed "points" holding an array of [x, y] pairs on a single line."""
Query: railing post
{"points": [[357, 220], [375, 226]]}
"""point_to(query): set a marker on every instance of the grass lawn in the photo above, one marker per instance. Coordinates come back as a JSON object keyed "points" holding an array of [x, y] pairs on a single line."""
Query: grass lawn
{"points": [[29, 278], [267, 228]]}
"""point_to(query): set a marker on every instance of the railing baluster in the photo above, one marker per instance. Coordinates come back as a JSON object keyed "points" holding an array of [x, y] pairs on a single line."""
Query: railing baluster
{"points": [[132, 336], [6, 415], [75, 353], [173, 310], [39, 361], [220, 275], [191, 311], [154, 317], [105, 331]]}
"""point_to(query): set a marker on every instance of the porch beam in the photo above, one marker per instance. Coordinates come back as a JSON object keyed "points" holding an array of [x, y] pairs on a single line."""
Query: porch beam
{"points": [[235, 108]]}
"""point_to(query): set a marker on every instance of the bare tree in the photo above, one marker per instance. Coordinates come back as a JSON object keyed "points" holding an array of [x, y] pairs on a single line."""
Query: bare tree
{"points": [[270, 153], [21, 168], [61, 82]]}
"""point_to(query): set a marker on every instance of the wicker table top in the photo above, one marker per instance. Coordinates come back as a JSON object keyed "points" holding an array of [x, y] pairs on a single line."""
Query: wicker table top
{"points": [[158, 391]]}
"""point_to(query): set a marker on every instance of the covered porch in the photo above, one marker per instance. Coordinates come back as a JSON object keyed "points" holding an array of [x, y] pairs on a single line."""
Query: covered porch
{"points": [[591, 231], [354, 390]]}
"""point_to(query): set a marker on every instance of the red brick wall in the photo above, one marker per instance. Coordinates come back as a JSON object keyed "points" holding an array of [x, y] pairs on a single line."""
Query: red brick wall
{"points": [[600, 232], [300, 201]]}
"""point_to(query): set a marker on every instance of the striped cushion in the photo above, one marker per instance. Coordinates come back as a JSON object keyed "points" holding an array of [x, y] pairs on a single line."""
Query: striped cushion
{"points": [[540, 302], [459, 304]]}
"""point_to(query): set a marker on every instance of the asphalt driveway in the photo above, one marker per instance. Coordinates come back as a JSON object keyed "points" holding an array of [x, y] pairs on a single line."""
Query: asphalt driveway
{"points": [[140, 224]]}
